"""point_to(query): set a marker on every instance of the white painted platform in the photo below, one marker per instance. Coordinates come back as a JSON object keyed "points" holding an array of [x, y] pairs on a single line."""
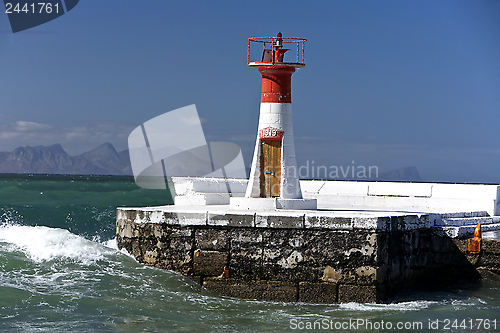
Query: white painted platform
{"points": [[454, 209], [385, 196]]}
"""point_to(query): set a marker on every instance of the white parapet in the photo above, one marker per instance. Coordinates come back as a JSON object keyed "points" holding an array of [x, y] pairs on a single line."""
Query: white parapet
{"points": [[188, 185], [335, 195], [416, 197]]}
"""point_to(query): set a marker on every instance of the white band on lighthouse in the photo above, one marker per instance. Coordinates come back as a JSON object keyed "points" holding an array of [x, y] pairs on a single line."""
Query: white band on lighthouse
{"points": [[278, 116]]}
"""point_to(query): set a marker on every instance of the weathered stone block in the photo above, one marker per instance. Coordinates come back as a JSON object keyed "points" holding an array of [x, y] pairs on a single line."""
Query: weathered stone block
{"points": [[276, 291], [246, 253], [151, 257], [285, 264], [231, 220], [279, 221], [283, 238], [473, 258], [349, 249], [209, 263], [171, 218], [359, 294], [197, 279], [327, 222], [212, 239], [242, 238], [175, 231], [489, 260], [374, 223], [128, 229], [246, 289], [282, 257], [152, 230], [397, 223], [381, 242], [317, 292], [192, 219], [489, 273], [394, 271], [415, 222], [181, 244], [246, 263], [363, 275], [491, 246], [132, 245], [178, 261]]}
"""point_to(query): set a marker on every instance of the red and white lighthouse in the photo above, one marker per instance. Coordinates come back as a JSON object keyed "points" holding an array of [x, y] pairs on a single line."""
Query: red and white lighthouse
{"points": [[274, 172]]}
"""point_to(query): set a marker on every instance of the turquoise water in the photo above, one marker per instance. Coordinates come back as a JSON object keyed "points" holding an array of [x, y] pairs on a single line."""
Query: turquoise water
{"points": [[60, 271]]}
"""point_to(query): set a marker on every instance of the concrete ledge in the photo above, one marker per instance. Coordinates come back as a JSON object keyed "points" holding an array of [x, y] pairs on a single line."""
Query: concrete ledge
{"points": [[231, 218], [272, 204], [465, 230], [279, 220], [327, 221], [461, 221]]}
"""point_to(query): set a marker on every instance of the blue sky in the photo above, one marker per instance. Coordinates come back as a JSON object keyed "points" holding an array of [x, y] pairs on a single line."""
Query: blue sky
{"points": [[386, 83]]}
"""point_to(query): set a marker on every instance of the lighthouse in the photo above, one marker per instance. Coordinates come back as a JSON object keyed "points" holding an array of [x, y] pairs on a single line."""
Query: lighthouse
{"points": [[274, 176]]}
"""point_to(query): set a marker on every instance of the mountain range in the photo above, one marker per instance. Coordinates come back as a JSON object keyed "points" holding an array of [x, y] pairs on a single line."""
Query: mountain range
{"points": [[103, 160]]}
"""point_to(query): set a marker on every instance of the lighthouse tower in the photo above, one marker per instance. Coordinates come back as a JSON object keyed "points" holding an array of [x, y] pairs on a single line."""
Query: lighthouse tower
{"points": [[274, 173]]}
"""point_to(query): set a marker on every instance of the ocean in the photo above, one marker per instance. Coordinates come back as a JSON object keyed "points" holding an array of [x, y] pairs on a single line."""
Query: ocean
{"points": [[60, 271]]}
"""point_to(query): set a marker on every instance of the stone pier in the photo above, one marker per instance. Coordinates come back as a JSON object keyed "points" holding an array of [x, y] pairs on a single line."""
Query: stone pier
{"points": [[304, 256]]}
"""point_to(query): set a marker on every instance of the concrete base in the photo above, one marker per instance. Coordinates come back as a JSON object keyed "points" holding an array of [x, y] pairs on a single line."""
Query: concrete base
{"points": [[271, 204]]}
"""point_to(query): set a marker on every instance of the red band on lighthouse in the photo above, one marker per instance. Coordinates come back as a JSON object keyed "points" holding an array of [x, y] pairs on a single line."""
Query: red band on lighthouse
{"points": [[271, 134], [276, 84]]}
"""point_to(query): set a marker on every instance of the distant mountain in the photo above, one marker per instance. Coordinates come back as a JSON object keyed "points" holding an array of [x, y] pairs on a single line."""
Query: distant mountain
{"points": [[103, 160], [402, 174]]}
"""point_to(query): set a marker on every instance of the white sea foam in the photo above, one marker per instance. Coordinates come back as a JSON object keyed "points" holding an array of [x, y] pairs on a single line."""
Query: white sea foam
{"points": [[112, 244], [44, 243], [401, 306]]}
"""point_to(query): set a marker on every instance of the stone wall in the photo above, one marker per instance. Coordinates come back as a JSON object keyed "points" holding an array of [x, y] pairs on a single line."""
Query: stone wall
{"points": [[306, 258]]}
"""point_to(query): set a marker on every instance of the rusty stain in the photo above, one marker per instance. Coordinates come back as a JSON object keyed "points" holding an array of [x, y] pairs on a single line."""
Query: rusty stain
{"points": [[474, 244]]}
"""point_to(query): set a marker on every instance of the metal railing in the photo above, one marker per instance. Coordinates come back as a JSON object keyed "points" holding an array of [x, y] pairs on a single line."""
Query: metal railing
{"points": [[271, 42]]}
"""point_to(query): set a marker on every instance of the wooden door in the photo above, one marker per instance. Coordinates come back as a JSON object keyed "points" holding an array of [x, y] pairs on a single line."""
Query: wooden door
{"points": [[270, 170]]}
